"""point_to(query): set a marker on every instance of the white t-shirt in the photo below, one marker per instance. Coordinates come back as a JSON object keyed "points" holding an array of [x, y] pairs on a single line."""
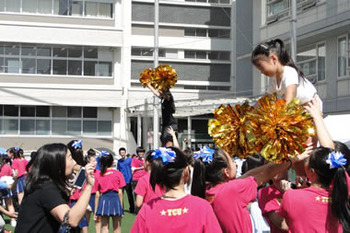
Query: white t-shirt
{"points": [[305, 90]]}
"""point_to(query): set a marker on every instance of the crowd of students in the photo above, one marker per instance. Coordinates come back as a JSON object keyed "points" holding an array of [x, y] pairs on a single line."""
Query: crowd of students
{"points": [[174, 190]]}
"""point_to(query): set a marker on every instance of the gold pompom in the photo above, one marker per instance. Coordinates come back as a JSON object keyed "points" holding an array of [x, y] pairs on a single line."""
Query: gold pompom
{"points": [[275, 129], [230, 130], [280, 129], [162, 77]]}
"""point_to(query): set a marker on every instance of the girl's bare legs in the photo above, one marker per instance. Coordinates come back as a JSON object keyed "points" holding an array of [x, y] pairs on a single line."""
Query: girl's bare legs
{"points": [[104, 224], [117, 224], [10, 207]]}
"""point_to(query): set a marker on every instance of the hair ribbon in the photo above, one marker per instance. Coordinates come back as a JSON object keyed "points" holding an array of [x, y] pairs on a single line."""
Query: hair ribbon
{"points": [[167, 155], [17, 148], [205, 153], [104, 153], [77, 144], [336, 159]]}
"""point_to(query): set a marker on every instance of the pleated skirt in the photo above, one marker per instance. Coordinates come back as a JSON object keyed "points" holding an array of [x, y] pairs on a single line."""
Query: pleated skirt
{"points": [[109, 205], [20, 186]]}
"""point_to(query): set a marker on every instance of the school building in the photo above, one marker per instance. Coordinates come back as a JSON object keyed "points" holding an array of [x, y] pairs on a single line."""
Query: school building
{"points": [[69, 69]]}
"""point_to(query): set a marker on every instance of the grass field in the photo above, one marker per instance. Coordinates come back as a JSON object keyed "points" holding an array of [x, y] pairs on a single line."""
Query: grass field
{"points": [[127, 221]]}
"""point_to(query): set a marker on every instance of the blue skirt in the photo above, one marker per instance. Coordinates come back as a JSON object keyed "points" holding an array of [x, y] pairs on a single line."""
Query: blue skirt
{"points": [[20, 186], [92, 202], [83, 222], [109, 205]]}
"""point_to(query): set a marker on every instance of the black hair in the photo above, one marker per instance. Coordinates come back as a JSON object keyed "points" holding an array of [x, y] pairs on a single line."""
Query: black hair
{"points": [[106, 162], [18, 153], [149, 156], [89, 154], [277, 47], [32, 159], [12, 150], [140, 149], [3, 160], [77, 153], [122, 148], [253, 161], [208, 172], [325, 177], [49, 165], [168, 175]]}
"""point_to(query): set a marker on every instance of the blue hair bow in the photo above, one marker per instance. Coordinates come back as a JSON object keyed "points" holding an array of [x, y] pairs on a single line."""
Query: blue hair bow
{"points": [[167, 155], [335, 159], [17, 148], [77, 144], [104, 153], [205, 153]]}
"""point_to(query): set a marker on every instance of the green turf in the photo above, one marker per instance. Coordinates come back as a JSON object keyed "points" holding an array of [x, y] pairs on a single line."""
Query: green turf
{"points": [[127, 220]]}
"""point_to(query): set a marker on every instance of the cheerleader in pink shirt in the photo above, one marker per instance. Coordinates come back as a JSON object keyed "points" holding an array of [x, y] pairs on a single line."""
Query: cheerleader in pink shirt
{"points": [[228, 196], [325, 205], [6, 171], [175, 211], [19, 166], [144, 191], [109, 195]]}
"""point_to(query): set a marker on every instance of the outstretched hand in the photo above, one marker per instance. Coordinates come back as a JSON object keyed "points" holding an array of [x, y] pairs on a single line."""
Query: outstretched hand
{"points": [[314, 108]]}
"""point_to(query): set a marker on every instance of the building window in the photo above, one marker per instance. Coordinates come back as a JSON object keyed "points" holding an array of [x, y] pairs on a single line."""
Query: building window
{"points": [[210, 55], [343, 56], [65, 60], [211, 33], [56, 120], [312, 62], [211, 1], [277, 9], [79, 8]]}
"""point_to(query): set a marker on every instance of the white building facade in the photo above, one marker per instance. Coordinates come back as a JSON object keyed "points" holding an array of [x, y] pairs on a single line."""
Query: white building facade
{"points": [[323, 30], [64, 66], [69, 69]]}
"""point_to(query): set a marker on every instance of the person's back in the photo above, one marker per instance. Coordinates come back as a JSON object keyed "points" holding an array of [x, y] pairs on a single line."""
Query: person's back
{"points": [[308, 210], [188, 214], [230, 200]]}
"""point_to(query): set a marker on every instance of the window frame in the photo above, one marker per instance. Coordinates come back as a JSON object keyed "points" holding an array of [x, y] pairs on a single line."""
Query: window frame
{"points": [[100, 122], [314, 78], [347, 56]]}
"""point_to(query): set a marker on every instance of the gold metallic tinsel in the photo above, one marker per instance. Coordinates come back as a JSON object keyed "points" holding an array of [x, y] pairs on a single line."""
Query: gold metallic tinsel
{"points": [[280, 129], [162, 77], [165, 77], [275, 129], [230, 130], [146, 77]]}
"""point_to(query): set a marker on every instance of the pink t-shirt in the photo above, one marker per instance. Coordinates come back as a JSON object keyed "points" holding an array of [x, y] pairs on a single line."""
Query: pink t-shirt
{"points": [[112, 180], [270, 199], [189, 214], [137, 162], [309, 210], [144, 189], [20, 165], [229, 201], [6, 170]]}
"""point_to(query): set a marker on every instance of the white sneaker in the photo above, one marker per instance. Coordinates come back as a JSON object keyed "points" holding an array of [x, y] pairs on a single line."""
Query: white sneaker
{"points": [[13, 223]]}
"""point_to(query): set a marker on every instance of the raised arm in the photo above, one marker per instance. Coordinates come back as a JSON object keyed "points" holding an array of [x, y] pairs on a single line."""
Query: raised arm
{"points": [[171, 131], [266, 172], [154, 91], [321, 130]]}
